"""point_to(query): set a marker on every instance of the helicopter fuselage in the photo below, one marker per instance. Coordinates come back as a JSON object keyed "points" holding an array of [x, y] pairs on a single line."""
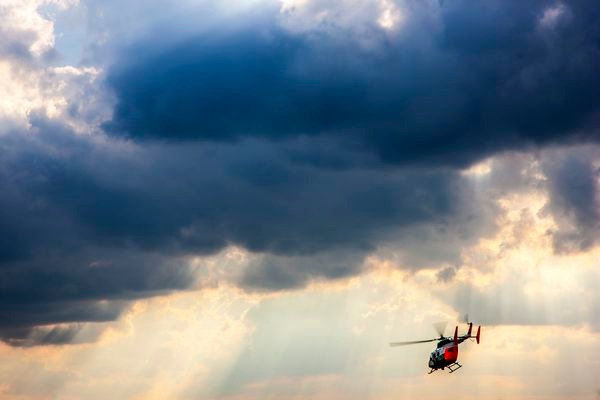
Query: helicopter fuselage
{"points": [[444, 355]]}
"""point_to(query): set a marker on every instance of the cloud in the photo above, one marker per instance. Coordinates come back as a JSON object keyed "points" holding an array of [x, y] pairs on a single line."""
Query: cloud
{"points": [[518, 276], [89, 224], [477, 80], [574, 202], [33, 76], [309, 146], [25, 34], [517, 300], [272, 272]]}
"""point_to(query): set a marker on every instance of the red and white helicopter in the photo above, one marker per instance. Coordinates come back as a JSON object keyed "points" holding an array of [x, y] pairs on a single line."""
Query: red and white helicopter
{"points": [[446, 353]]}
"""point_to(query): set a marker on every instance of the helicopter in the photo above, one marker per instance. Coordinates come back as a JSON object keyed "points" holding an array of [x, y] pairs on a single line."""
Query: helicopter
{"points": [[446, 353]]}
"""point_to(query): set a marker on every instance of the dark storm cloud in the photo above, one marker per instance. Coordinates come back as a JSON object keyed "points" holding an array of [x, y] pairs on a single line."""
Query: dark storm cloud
{"points": [[56, 263], [78, 332], [273, 141], [90, 224], [485, 77]]}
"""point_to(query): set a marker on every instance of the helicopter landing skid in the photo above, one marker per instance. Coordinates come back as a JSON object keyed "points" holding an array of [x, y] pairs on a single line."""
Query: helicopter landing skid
{"points": [[454, 367]]}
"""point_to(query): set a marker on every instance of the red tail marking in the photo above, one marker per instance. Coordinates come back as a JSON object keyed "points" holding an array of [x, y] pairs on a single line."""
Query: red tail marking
{"points": [[478, 333]]}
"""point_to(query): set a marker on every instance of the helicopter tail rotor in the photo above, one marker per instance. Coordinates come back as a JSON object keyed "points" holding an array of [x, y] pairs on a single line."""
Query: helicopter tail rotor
{"points": [[478, 334]]}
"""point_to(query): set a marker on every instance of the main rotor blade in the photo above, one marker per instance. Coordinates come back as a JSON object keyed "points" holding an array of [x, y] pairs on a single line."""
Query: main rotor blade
{"points": [[394, 344]]}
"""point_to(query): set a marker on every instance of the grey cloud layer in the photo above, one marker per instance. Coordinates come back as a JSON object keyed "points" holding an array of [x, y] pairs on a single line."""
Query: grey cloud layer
{"points": [[303, 146], [574, 201], [481, 78], [88, 224]]}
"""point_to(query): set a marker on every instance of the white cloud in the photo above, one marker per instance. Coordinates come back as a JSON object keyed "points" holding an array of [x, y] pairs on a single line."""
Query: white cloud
{"points": [[28, 79], [391, 16], [552, 15]]}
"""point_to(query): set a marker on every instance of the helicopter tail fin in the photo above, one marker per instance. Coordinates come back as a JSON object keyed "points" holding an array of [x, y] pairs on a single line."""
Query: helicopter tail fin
{"points": [[456, 335], [470, 328], [478, 334]]}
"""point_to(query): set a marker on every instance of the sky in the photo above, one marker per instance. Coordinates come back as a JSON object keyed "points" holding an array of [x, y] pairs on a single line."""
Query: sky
{"points": [[250, 199]]}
